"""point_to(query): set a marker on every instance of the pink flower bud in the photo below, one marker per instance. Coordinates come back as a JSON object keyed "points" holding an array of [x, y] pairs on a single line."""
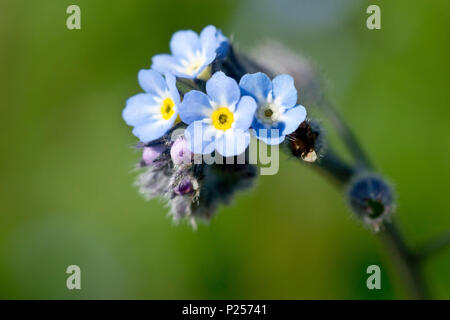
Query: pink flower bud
{"points": [[151, 153], [180, 152]]}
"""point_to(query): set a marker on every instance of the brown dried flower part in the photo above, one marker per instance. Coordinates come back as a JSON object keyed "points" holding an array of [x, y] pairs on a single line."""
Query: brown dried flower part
{"points": [[303, 142]]}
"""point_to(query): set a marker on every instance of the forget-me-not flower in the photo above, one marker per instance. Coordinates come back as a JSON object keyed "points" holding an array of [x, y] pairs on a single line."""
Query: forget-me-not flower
{"points": [[277, 114], [192, 53], [153, 113], [218, 120]]}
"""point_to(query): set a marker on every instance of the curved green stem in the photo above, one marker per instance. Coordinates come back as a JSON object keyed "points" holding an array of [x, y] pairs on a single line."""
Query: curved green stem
{"points": [[407, 263], [434, 246]]}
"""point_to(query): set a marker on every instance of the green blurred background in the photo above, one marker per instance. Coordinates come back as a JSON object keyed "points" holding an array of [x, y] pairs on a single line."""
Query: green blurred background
{"points": [[66, 155]]}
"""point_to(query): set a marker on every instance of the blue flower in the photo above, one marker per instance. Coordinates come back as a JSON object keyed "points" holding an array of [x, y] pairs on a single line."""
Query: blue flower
{"points": [[192, 54], [153, 113], [218, 120], [277, 114]]}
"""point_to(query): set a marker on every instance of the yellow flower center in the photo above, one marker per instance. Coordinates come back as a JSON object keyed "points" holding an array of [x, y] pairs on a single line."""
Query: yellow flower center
{"points": [[222, 118], [167, 109], [195, 63], [193, 68]]}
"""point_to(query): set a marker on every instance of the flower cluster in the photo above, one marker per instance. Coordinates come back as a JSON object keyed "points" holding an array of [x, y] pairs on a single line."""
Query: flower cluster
{"points": [[204, 89]]}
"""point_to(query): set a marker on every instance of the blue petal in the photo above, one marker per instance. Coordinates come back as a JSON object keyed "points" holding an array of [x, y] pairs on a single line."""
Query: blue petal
{"points": [[152, 82], [200, 137], [195, 106], [153, 130], [284, 91], [140, 109], [292, 118], [271, 135], [164, 63], [208, 40], [172, 85], [223, 45], [245, 110], [257, 85], [209, 44], [272, 140], [233, 142], [223, 90], [184, 42], [212, 38]]}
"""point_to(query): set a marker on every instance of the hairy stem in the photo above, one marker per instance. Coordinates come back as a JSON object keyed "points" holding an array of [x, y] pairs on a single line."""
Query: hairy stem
{"points": [[335, 168], [362, 160], [408, 266], [407, 263]]}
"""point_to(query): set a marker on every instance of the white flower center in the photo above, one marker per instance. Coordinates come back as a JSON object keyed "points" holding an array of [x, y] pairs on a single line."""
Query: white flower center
{"points": [[269, 113], [195, 62]]}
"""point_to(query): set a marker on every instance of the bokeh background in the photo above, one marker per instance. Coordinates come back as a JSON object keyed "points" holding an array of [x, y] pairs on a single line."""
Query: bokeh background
{"points": [[66, 194]]}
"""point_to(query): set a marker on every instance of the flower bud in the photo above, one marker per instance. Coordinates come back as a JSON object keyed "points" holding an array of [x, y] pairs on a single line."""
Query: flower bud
{"points": [[151, 153], [372, 199], [180, 152], [184, 187]]}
